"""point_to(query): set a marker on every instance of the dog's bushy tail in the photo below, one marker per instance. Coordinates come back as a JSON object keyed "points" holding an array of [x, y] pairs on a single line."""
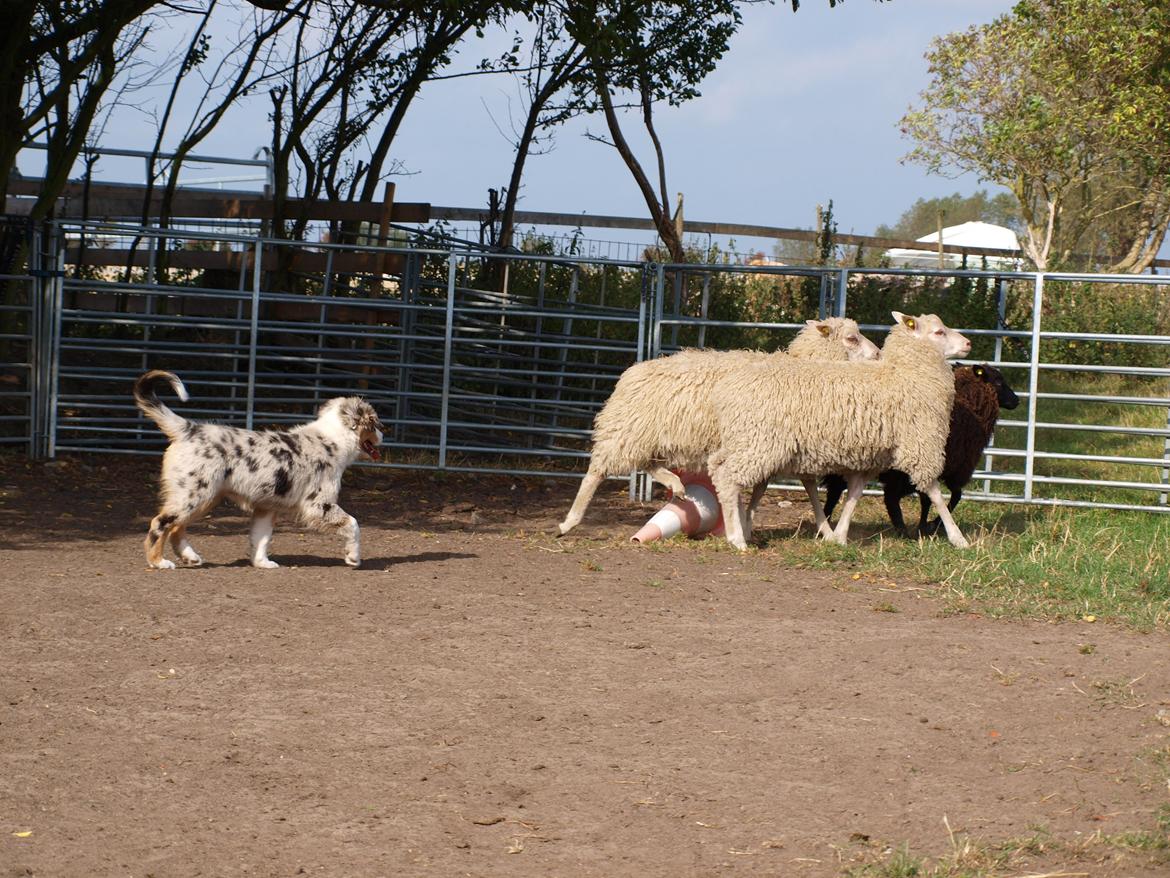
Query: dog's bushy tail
{"points": [[146, 396]]}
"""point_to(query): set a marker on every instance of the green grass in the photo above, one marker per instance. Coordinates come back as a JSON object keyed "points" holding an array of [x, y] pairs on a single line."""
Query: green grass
{"points": [[1037, 562], [973, 859]]}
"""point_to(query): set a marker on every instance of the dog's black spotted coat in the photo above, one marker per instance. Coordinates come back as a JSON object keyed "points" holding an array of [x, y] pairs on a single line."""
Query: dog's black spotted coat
{"points": [[296, 472]]}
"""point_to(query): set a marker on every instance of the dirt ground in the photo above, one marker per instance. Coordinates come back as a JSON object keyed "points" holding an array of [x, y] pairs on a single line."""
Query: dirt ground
{"points": [[481, 699]]}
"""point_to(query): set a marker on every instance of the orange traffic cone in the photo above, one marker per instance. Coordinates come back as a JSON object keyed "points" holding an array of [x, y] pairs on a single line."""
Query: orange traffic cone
{"points": [[697, 516]]}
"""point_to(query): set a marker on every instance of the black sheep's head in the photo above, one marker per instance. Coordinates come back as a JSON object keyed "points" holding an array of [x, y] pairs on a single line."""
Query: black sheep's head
{"points": [[990, 375]]}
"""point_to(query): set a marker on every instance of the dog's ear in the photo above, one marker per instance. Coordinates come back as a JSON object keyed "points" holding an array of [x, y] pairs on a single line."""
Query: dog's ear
{"points": [[347, 411]]}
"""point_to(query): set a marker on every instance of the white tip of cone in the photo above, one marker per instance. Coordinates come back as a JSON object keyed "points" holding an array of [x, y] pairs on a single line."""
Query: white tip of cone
{"points": [[648, 534], [662, 526]]}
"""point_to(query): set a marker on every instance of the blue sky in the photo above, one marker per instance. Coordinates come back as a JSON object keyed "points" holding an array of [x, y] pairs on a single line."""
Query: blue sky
{"points": [[802, 109]]}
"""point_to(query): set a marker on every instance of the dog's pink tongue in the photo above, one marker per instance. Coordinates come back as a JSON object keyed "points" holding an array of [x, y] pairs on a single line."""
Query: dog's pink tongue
{"points": [[375, 454]]}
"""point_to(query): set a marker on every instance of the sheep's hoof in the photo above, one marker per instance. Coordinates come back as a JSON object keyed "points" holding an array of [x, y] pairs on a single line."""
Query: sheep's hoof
{"points": [[563, 529], [960, 542], [930, 528]]}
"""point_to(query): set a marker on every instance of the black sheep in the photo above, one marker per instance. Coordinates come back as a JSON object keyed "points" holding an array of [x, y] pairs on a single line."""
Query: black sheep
{"points": [[980, 392]]}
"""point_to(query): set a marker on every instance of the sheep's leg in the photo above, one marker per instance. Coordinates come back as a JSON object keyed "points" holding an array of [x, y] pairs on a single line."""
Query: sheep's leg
{"points": [[953, 533], [931, 528], [834, 487], [893, 503], [753, 505], [757, 495], [925, 528], [665, 477], [820, 516], [856, 489], [585, 493], [728, 493]]}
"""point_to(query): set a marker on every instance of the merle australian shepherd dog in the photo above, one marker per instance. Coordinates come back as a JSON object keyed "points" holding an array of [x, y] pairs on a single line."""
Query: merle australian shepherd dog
{"points": [[266, 472]]}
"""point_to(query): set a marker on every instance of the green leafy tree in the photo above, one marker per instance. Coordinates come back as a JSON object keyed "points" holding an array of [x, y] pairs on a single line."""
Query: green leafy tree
{"points": [[644, 53], [922, 217], [1067, 104]]}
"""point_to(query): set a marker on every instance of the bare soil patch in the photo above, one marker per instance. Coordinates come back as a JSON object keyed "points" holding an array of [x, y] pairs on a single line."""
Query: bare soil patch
{"points": [[483, 699]]}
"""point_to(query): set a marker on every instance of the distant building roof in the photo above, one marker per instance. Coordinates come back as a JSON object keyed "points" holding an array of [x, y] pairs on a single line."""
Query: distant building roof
{"points": [[972, 234]]}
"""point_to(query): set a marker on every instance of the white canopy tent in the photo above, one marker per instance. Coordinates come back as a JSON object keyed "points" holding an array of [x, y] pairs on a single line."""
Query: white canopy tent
{"points": [[972, 234]]}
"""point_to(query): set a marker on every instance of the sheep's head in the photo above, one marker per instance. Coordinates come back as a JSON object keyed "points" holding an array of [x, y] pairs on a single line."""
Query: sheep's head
{"points": [[994, 378], [930, 328], [833, 338]]}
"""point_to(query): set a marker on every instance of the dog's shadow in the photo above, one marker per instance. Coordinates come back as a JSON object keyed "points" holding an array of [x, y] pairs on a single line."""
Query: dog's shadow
{"points": [[382, 563]]}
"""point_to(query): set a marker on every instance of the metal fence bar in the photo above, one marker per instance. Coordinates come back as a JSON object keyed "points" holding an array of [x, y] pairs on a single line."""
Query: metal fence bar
{"points": [[1033, 383], [254, 336], [1000, 324], [444, 406], [842, 291], [56, 304]]}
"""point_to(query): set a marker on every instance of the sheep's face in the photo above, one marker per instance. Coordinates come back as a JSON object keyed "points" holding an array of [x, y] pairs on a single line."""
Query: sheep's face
{"points": [[1004, 395], [856, 345], [930, 328], [844, 331]]}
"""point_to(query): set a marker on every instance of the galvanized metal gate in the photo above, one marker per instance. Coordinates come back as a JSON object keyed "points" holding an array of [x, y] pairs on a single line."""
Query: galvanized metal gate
{"points": [[498, 363]]}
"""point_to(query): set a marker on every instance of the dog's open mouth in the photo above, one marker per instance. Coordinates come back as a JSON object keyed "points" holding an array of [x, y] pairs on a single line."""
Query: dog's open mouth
{"points": [[371, 450]]}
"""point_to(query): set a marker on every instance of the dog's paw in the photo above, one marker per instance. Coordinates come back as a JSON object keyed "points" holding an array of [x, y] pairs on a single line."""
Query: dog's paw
{"points": [[353, 560], [192, 560], [265, 564], [164, 564]]}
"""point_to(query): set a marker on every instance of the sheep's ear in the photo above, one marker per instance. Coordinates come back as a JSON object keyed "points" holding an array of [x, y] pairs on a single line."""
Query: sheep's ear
{"points": [[979, 371], [909, 322], [823, 330]]}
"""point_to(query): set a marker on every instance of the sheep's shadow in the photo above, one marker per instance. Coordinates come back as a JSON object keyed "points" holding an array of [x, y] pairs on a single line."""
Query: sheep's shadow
{"points": [[1010, 522]]}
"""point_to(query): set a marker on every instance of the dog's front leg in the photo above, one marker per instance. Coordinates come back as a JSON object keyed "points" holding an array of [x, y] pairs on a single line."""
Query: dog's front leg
{"points": [[261, 536], [327, 516]]}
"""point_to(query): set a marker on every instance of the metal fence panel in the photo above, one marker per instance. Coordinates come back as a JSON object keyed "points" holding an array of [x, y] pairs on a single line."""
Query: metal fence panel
{"points": [[1094, 433], [23, 321], [490, 362]]}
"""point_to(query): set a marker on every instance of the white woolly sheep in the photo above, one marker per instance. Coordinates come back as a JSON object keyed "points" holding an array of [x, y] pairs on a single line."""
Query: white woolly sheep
{"points": [[980, 392], [661, 413], [890, 414]]}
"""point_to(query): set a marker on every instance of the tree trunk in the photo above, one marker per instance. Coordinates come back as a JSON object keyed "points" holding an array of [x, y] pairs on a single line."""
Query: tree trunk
{"points": [[659, 213], [15, 34]]}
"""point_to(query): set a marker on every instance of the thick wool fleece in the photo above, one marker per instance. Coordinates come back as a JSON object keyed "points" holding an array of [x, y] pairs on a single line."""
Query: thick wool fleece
{"points": [[663, 411], [972, 422], [800, 417], [973, 417]]}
